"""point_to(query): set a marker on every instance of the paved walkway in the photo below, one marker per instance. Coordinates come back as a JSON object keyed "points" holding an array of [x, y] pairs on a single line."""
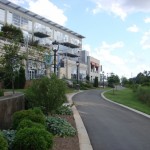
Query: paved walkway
{"points": [[112, 127]]}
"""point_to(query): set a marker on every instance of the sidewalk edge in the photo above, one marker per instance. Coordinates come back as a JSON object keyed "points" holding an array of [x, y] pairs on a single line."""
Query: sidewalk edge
{"points": [[84, 141]]}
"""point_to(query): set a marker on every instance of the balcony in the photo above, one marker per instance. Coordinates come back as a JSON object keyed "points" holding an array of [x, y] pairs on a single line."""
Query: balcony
{"points": [[42, 32]]}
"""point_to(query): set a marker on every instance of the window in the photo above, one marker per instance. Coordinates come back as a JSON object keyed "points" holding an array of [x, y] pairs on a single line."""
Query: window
{"points": [[2, 15], [24, 23], [16, 20], [30, 25], [66, 38], [9, 17]]}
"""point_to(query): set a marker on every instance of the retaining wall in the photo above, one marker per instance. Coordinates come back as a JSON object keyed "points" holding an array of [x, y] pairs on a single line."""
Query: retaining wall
{"points": [[8, 105]]}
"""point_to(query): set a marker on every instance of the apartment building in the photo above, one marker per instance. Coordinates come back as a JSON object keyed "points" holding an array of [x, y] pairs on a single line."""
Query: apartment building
{"points": [[43, 31], [93, 68]]}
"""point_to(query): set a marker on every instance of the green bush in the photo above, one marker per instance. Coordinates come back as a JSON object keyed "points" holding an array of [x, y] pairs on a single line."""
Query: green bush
{"points": [[60, 127], [10, 136], [3, 142], [64, 110], [86, 85], [95, 82], [143, 94], [1, 92], [135, 87], [30, 124], [32, 139], [47, 93], [34, 115]]}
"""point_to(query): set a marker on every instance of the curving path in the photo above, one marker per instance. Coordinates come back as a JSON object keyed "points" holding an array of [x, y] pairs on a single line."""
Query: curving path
{"points": [[112, 127]]}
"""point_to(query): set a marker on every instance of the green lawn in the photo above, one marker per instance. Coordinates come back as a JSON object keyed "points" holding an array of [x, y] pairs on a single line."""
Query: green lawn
{"points": [[128, 98]]}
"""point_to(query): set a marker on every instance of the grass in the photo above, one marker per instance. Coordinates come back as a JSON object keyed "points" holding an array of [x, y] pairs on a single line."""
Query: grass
{"points": [[16, 90], [70, 90], [127, 97]]}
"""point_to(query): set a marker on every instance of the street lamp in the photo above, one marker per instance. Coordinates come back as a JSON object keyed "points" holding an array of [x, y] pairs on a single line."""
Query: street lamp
{"points": [[77, 63], [55, 49]]}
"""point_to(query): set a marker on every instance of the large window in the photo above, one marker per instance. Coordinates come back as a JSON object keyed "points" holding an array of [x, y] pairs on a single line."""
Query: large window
{"points": [[16, 20], [9, 17], [20, 21], [2, 15], [24, 23]]}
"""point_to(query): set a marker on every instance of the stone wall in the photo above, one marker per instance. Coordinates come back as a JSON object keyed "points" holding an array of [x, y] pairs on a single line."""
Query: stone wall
{"points": [[8, 105]]}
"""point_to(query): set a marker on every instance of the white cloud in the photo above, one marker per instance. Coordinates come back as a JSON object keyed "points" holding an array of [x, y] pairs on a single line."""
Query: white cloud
{"points": [[45, 8], [97, 8], [147, 20], [118, 11], [133, 28], [87, 47], [145, 41], [121, 8], [117, 63]]}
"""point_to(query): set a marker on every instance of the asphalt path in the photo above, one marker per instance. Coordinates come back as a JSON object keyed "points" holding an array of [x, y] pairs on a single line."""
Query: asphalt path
{"points": [[112, 127]]}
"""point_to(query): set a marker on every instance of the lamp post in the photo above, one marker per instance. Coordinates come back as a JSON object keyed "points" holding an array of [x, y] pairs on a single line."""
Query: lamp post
{"points": [[103, 79], [55, 49], [77, 63]]}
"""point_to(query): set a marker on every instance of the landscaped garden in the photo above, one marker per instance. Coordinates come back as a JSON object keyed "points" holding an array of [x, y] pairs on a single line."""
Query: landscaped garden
{"points": [[46, 123]]}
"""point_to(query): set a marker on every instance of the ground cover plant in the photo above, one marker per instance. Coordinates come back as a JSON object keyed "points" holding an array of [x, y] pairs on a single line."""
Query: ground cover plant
{"points": [[60, 127]]}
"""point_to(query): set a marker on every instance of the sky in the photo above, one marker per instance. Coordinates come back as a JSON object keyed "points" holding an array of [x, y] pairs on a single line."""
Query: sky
{"points": [[117, 32]]}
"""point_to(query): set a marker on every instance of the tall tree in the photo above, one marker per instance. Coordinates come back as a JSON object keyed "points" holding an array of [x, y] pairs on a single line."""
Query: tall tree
{"points": [[11, 61]]}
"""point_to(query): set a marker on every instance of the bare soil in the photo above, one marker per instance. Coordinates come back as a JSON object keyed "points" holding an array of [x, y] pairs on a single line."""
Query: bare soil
{"points": [[67, 143]]}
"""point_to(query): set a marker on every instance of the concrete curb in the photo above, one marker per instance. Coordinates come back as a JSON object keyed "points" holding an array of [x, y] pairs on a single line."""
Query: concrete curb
{"points": [[84, 141], [134, 110]]}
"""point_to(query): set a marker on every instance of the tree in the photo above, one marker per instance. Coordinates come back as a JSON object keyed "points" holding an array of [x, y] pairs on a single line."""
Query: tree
{"points": [[96, 82], [11, 62], [22, 79], [87, 78], [124, 81], [113, 80]]}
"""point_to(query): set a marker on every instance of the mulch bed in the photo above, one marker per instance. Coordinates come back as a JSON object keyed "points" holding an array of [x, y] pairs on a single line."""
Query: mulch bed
{"points": [[67, 143]]}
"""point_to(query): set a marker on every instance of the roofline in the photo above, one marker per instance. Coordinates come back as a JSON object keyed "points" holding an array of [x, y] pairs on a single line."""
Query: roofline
{"points": [[32, 14]]}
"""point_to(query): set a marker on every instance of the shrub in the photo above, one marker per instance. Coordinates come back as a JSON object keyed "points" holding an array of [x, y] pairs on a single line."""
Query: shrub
{"points": [[34, 115], [30, 124], [95, 82], [135, 87], [60, 127], [1, 92], [22, 78], [143, 94], [10, 136], [47, 93], [64, 110], [33, 139], [3, 143]]}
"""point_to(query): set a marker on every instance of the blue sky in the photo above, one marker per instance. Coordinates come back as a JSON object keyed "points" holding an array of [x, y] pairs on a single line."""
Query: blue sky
{"points": [[117, 31]]}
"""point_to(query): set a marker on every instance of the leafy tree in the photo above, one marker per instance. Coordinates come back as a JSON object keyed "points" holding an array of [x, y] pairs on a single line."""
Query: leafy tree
{"points": [[11, 61], [124, 81], [22, 79], [113, 80]]}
